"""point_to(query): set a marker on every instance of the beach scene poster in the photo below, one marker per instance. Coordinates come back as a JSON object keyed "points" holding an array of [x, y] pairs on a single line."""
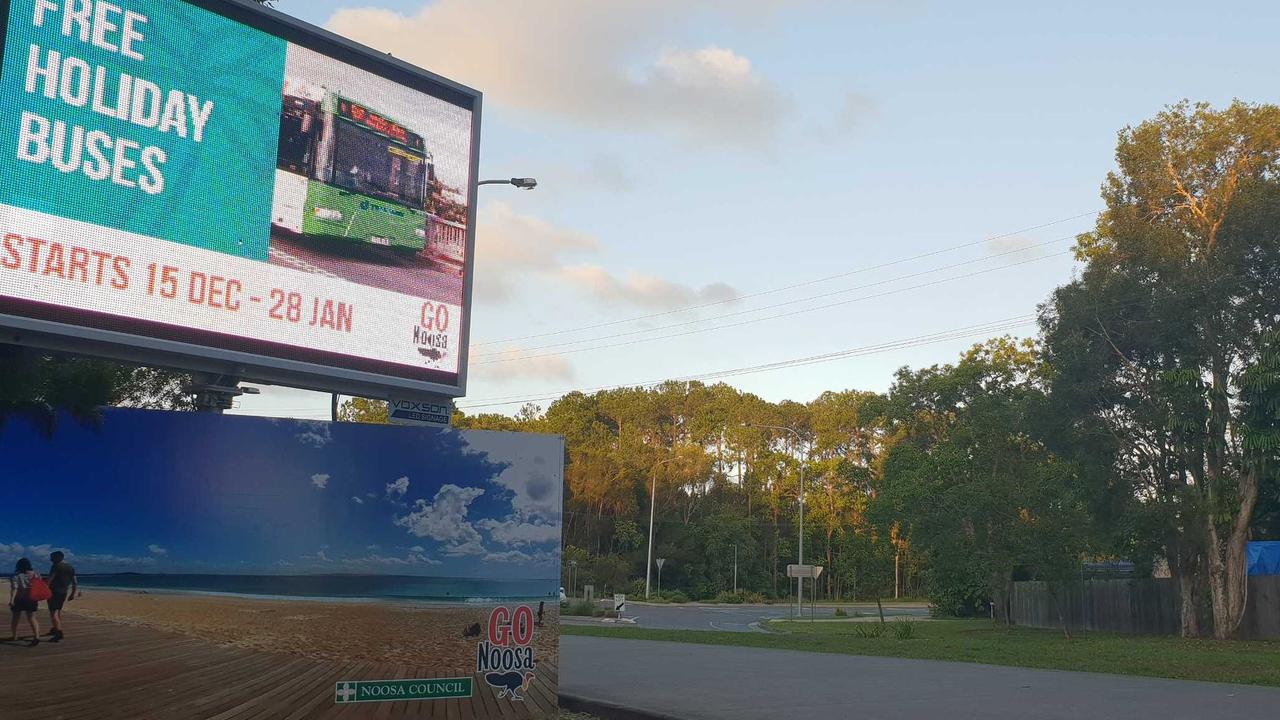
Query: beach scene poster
{"points": [[260, 568]]}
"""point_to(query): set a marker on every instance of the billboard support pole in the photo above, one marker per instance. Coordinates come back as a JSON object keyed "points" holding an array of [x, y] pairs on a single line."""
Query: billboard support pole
{"points": [[216, 393]]}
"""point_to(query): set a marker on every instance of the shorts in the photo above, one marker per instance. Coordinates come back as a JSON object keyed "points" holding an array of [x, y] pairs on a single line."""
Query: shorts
{"points": [[57, 601], [22, 605]]}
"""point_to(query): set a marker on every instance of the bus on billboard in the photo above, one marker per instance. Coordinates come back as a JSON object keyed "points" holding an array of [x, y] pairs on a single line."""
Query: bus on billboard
{"points": [[214, 186]]}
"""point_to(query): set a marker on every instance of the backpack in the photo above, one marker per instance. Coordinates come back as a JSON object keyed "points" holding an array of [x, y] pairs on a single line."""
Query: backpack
{"points": [[39, 590]]}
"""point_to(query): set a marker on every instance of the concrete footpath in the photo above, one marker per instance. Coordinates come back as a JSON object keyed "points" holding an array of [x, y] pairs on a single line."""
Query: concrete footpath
{"points": [[709, 682]]}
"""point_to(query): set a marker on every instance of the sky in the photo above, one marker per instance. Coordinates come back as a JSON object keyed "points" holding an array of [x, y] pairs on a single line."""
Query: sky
{"points": [[150, 492], [882, 182]]}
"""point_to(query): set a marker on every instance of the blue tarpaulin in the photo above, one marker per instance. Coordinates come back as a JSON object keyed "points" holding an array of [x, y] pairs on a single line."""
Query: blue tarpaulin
{"points": [[1264, 558]]}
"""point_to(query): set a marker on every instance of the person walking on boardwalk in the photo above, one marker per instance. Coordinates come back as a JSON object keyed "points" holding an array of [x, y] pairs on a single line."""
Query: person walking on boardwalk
{"points": [[20, 600], [62, 583]]}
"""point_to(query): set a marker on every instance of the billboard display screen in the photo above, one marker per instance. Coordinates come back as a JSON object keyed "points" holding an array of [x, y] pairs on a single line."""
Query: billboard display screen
{"points": [[214, 567], [209, 180]]}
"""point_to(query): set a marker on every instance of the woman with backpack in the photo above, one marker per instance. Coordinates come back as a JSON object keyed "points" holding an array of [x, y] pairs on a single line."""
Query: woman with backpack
{"points": [[24, 588]]}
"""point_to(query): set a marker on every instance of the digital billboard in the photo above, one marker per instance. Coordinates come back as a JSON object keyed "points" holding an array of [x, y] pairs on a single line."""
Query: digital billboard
{"points": [[211, 185], [213, 566]]}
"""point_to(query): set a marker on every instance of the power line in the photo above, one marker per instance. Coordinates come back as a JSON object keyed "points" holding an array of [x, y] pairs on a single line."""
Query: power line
{"points": [[942, 336], [488, 357], [896, 291], [785, 288]]}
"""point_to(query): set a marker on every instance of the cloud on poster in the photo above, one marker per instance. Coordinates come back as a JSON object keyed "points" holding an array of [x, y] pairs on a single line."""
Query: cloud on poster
{"points": [[531, 478], [444, 519]]}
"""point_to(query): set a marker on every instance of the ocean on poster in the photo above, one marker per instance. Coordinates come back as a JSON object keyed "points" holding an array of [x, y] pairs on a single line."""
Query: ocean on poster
{"points": [[185, 502]]}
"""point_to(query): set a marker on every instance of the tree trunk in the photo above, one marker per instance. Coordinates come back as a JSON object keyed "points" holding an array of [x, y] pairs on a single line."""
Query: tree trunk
{"points": [[1228, 583], [1184, 569], [1001, 582], [1228, 578]]}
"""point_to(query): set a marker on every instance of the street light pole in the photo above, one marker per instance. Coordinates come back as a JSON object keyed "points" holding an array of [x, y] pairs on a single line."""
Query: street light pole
{"points": [[653, 496], [523, 184], [799, 580]]}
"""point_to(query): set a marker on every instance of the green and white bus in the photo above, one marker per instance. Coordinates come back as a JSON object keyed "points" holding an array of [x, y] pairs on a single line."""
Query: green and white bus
{"points": [[347, 172]]}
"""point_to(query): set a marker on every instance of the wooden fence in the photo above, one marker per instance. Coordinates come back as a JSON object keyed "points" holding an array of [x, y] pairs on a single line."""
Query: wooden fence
{"points": [[1147, 607]]}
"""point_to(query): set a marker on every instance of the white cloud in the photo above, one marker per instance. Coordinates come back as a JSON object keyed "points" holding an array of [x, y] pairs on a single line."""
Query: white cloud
{"points": [[647, 291], [444, 519], [38, 552], [397, 489], [417, 549], [508, 556], [472, 546], [320, 480], [315, 434], [357, 500], [621, 74], [518, 245], [375, 559], [157, 550], [533, 472], [855, 110], [506, 364], [516, 532], [92, 560], [515, 245]]}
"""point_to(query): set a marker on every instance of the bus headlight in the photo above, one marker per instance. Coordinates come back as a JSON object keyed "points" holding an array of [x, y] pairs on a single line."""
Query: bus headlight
{"points": [[329, 214], [421, 233]]}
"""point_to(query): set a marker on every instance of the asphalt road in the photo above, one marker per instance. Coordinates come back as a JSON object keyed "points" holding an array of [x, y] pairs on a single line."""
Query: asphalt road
{"points": [[732, 618], [710, 682], [376, 267]]}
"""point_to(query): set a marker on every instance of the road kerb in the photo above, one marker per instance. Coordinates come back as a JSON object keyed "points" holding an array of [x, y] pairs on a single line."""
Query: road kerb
{"points": [[609, 711]]}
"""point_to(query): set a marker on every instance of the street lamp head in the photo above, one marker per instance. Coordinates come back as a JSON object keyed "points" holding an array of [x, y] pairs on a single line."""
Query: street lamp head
{"points": [[522, 183]]}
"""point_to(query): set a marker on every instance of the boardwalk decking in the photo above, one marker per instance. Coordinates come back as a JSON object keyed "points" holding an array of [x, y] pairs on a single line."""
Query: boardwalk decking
{"points": [[105, 671]]}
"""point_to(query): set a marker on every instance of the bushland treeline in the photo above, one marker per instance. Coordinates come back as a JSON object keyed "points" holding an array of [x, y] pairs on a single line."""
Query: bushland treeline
{"points": [[1142, 423]]}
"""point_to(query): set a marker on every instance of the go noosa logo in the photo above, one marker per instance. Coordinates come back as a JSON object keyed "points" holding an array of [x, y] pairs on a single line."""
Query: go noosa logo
{"points": [[431, 333], [506, 657]]}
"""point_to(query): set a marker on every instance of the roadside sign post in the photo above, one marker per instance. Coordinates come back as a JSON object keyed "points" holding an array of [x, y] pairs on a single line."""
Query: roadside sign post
{"points": [[619, 603], [800, 572], [660, 562]]}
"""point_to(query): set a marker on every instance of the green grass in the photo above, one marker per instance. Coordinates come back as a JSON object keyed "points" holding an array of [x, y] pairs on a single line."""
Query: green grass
{"points": [[978, 641]]}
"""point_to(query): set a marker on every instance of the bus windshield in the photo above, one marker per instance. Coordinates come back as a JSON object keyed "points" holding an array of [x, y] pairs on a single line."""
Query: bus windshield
{"points": [[370, 164]]}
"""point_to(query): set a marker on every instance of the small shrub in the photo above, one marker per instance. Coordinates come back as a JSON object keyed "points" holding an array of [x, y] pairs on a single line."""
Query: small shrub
{"points": [[904, 629], [675, 596], [581, 608], [657, 599], [840, 613], [740, 597], [869, 631]]}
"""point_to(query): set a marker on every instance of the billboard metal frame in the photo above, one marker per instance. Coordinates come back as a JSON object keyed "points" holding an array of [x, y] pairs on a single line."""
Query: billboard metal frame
{"points": [[85, 339]]}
